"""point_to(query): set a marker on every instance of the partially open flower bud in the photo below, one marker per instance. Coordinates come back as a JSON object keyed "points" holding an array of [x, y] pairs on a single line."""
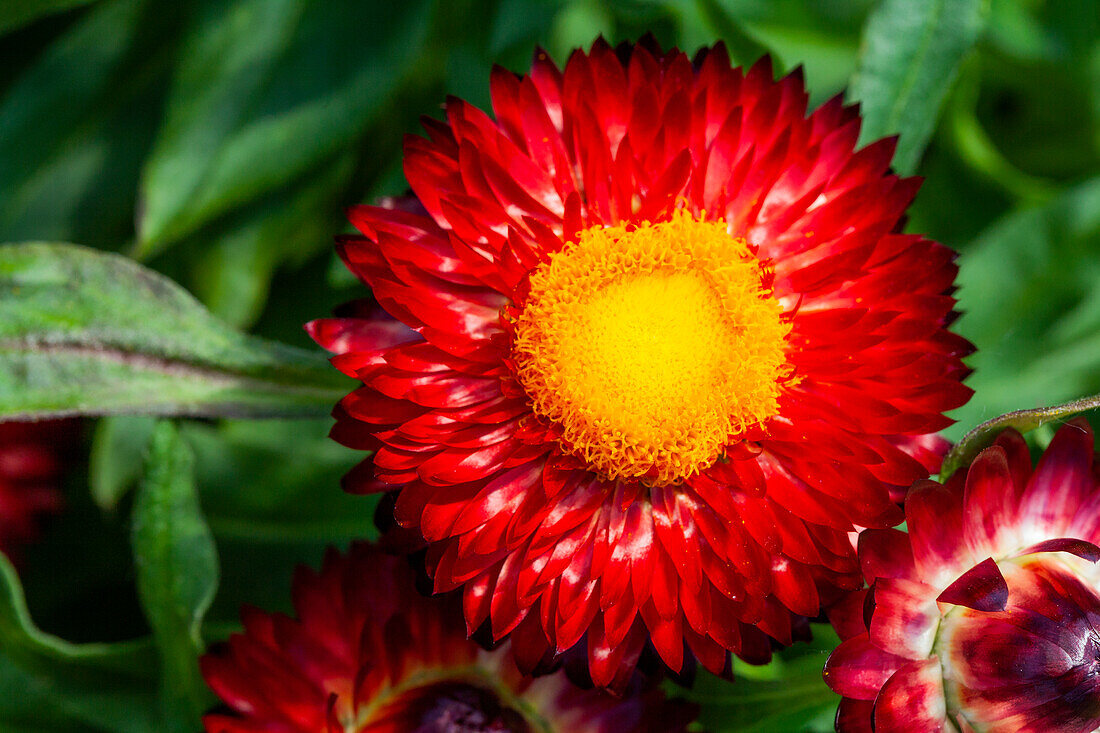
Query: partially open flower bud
{"points": [[986, 615]]}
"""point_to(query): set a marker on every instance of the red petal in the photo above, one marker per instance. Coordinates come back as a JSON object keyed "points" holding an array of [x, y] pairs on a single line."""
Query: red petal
{"points": [[854, 716], [1080, 548], [905, 617], [912, 700], [858, 669], [886, 553], [935, 518], [989, 502], [1062, 482], [982, 588]]}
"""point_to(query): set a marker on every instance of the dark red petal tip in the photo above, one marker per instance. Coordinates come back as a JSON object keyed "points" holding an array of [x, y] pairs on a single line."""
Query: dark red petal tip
{"points": [[982, 588], [1081, 548]]}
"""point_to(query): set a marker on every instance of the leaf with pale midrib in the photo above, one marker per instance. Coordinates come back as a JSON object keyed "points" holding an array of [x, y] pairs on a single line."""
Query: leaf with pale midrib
{"points": [[86, 332]]}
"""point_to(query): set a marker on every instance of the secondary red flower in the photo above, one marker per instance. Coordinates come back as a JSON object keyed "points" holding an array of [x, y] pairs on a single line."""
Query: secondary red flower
{"points": [[651, 347], [986, 616], [32, 458], [369, 654]]}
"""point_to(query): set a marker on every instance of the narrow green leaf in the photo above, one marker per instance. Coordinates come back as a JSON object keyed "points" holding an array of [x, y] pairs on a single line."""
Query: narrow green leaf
{"points": [[910, 55], [16, 13], [981, 437], [87, 332], [266, 91], [177, 571], [105, 687], [226, 59], [118, 450]]}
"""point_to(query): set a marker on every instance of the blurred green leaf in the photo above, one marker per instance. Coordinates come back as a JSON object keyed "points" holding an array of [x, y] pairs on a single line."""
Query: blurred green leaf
{"points": [[265, 91], [278, 480], [177, 572], [16, 13], [271, 493], [85, 332], [910, 55], [787, 694], [744, 49], [981, 437], [76, 124], [520, 21], [118, 450], [1038, 114], [105, 687], [233, 274], [821, 37], [974, 146], [1076, 25], [1030, 296], [1015, 29]]}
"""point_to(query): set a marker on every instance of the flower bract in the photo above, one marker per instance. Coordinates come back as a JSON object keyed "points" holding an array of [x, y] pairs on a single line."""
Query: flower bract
{"points": [[986, 615], [643, 350], [366, 653]]}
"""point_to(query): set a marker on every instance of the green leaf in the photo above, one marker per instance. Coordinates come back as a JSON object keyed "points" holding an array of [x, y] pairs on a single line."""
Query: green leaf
{"points": [[233, 274], [104, 687], [271, 493], [177, 571], [981, 437], [76, 124], [743, 48], [1029, 290], [978, 151], [261, 479], [788, 694], [86, 332], [118, 447], [910, 55], [16, 13], [266, 91]]}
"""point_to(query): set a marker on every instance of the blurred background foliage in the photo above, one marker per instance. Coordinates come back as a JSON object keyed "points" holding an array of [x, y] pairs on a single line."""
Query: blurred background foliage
{"points": [[218, 141]]}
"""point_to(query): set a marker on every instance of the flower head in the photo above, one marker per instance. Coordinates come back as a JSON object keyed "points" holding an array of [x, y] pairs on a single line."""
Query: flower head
{"points": [[369, 654], [651, 346], [32, 458], [986, 615]]}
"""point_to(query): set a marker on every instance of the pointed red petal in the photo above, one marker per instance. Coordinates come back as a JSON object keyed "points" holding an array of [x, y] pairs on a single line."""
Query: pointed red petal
{"points": [[982, 588], [912, 700]]}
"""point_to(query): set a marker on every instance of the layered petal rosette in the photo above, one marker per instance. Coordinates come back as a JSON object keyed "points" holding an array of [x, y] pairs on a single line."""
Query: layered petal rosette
{"points": [[650, 346], [368, 654], [986, 615], [32, 460]]}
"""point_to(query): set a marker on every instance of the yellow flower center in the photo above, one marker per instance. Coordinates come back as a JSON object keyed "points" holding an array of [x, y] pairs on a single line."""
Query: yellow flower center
{"points": [[652, 346]]}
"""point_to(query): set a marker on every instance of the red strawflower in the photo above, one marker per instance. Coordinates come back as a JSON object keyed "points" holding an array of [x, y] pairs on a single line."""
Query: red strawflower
{"points": [[368, 654], [32, 459], [653, 347], [986, 615]]}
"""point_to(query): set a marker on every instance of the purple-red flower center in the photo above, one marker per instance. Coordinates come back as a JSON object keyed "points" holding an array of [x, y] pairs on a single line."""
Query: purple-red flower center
{"points": [[456, 707], [651, 345]]}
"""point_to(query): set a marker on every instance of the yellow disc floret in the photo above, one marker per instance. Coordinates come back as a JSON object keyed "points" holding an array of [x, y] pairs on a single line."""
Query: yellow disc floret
{"points": [[652, 345]]}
